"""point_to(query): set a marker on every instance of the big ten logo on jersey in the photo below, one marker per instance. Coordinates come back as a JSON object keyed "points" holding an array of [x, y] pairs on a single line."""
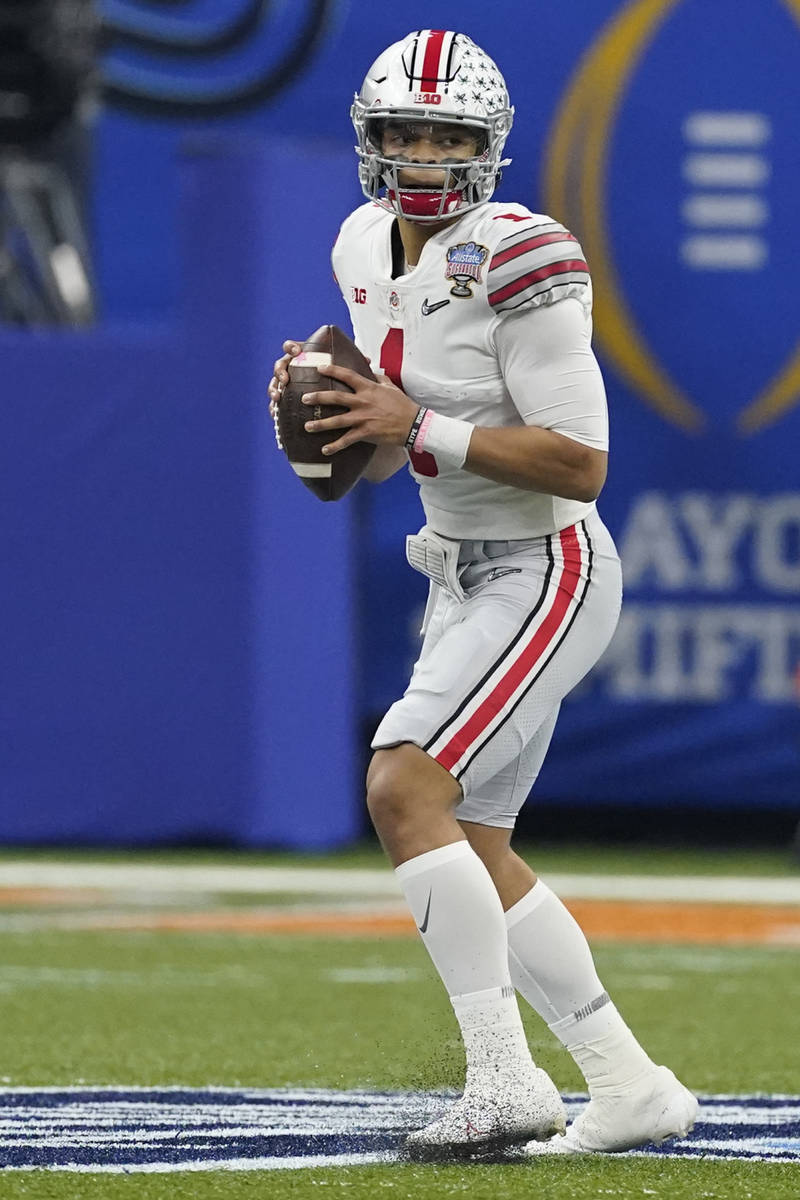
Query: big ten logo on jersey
{"points": [[429, 98], [688, 243], [358, 295]]}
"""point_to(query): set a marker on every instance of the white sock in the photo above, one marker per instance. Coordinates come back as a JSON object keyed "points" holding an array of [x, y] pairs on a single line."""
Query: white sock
{"points": [[552, 967], [494, 1041], [460, 917]]}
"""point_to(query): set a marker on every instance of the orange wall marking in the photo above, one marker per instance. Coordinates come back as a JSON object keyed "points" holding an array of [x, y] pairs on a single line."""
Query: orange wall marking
{"points": [[613, 920], [609, 920]]}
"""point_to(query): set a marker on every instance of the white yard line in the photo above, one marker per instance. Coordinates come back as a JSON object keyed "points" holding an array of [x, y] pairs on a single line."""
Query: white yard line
{"points": [[361, 881]]}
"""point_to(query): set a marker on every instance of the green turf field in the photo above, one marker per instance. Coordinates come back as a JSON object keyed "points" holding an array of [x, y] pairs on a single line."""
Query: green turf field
{"points": [[255, 1010], [553, 1181]]}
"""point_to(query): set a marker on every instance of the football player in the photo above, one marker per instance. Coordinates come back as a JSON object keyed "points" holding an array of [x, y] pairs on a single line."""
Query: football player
{"points": [[477, 316]]}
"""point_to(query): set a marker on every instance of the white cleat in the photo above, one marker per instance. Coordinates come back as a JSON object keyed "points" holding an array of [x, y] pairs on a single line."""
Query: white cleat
{"points": [[485, 1120], [658, 1107]]}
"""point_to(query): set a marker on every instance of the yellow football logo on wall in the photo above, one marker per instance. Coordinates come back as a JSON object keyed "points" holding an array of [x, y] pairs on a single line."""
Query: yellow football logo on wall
{"points": [[576, 191]]}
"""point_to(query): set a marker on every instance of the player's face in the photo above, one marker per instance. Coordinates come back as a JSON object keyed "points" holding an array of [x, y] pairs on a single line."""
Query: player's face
{"points": [[427, 144]]}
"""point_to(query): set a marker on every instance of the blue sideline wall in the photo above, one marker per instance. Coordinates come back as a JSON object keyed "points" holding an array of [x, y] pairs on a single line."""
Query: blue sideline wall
{"points": [[178, 650]]}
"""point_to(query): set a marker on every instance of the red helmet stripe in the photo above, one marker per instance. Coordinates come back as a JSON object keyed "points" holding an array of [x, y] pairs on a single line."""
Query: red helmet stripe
{"points": [[430, 65]]}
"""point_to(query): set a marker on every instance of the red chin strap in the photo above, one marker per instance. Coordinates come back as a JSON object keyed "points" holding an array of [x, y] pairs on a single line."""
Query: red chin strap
{"points": [[425, 204]]}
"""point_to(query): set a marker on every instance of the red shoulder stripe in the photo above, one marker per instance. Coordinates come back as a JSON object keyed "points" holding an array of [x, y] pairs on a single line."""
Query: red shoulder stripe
{"points": [[518, 285], [533, 243]]}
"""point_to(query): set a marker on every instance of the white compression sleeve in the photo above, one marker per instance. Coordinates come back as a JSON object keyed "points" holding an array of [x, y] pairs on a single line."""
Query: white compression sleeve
{"points": [[551, 372], [552, 967], [551, 963], [459, 914]]}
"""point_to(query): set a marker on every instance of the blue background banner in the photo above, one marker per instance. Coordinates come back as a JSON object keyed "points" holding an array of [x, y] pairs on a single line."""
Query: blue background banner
{"points": [[194, 648], [178, 649]]}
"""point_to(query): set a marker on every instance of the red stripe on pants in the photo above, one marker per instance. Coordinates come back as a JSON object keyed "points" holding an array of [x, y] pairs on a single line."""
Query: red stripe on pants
{"points": [[526, 659]]}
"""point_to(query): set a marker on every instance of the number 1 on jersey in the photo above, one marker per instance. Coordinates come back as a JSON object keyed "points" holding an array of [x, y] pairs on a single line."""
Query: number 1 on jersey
{"points": [[391, 362]]}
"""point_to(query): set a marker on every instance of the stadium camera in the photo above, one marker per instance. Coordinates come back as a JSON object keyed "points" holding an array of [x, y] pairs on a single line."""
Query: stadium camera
{"points": [[47, 84]]}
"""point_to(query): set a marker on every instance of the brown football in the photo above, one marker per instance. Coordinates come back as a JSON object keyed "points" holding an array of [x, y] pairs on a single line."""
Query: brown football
{"points": [[330, 478]]}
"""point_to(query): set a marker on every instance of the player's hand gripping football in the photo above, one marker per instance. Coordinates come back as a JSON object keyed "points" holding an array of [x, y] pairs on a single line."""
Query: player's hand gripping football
{"points": [[378, 412], [280, 377]]}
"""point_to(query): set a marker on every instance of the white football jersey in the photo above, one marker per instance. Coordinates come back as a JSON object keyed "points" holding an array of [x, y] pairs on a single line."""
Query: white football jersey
{"points": [[466, 333]]}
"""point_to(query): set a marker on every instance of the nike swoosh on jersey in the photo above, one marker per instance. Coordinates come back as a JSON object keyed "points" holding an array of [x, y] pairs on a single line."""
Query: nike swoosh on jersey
{"points": [[424, 924], [427, 309]]}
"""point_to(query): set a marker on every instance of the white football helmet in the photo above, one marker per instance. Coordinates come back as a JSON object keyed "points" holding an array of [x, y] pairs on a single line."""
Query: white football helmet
{"points": [[432, 76]]}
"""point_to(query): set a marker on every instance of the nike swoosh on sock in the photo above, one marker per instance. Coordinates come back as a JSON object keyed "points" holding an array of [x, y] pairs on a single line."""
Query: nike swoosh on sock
{"points": [[424, 924]]}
